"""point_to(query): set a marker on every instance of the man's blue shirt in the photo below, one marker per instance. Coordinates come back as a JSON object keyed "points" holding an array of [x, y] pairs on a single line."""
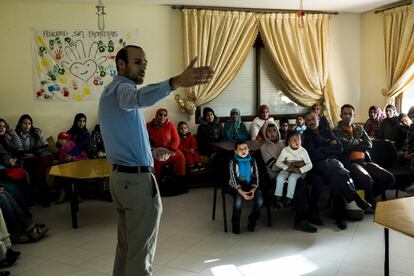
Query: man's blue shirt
{"points": [[122, 123]]}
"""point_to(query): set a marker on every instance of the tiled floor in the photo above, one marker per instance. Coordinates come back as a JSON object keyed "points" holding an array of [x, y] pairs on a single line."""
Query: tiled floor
{"points": [[190, 243]]}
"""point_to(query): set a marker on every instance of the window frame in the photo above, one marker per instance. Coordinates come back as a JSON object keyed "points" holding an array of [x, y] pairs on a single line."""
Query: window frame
{"points": [[258, 44]]}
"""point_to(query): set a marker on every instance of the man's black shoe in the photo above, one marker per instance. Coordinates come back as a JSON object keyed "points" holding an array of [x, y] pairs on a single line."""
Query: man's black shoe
{"points": [[236, 228], [305, 226], [251, 226], [341, 224], [362, 203]]}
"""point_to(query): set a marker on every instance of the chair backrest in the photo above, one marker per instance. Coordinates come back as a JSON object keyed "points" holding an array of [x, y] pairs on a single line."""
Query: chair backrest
{"points": [[383, 153]]}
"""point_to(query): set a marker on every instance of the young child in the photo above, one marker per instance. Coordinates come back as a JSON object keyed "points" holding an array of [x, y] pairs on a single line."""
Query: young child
{"points": [[300, 124], [188, 146], [244, 179], [294, 162], [283, 128], [65, 147]]}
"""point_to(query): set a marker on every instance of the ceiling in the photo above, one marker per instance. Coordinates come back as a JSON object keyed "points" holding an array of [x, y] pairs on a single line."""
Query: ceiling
{"points": [[351, 6]]}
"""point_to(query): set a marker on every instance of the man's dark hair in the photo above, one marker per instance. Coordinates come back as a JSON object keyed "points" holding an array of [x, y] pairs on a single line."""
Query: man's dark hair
{"points": [[308, 113], [283, 121], [292, 133], [123, 54], [238, 143], [347, 106]]}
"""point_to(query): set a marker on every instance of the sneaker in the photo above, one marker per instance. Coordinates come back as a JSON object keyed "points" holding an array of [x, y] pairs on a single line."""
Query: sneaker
{"points": [[193, 169], [200, 167], [251, 226], [277, 204], [305, 226], [341, 224], [236, 228], [287, 202]]}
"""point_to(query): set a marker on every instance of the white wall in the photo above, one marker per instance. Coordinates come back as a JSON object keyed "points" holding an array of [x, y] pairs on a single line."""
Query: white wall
{"points": [[345, 58], [373, 78], [159, 33]]}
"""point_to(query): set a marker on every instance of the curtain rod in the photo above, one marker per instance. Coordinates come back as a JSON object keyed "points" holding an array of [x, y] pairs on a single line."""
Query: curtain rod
{"points": [[396, 5], [180, 7]]}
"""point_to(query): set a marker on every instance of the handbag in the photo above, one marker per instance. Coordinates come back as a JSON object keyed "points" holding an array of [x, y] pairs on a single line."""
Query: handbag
{"points": [[15, 173]]}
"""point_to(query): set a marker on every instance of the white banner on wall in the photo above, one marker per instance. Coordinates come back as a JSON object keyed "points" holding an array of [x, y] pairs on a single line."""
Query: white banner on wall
{"points": [[75, 65]]}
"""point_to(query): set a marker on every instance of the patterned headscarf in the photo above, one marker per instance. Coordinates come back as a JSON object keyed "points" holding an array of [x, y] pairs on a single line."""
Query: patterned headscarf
{"points": [[379, 115], [262, 108]]}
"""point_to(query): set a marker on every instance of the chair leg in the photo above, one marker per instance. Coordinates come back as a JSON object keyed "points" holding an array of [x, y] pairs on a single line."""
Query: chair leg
{"points": [[223, 195], [396, 193], [383, 196], [269, 215], [213, 217]]}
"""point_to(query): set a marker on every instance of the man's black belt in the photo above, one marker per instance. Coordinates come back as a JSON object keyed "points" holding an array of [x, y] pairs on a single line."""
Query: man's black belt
{"points": [[127, 169]]}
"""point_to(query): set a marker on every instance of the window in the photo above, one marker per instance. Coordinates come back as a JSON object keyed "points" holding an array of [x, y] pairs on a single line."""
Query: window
{"points": [[407, 99], [247, 94]]}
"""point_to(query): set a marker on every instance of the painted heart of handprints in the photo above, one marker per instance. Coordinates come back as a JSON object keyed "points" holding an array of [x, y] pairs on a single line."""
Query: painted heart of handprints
{"points": [[85, 70]]}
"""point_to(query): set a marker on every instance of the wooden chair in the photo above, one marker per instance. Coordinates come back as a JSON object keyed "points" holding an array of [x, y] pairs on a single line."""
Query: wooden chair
{"points": [[222, 185]]}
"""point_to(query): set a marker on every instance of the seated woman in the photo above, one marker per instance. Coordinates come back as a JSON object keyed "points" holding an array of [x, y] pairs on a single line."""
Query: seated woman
{"points": [[390, 127], [256, 130], [317, 108], [79, 134], [7, 255], [10, 150], [163, 134], [372, 125], [36, 157], [96, 148], [209, 131], [234, 129], [21, 226]]}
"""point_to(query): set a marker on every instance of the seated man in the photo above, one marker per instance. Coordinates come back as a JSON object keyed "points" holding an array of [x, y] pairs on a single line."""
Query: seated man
{"points": [[367, 175], [163, 134], [270, 151], [323, 149]]}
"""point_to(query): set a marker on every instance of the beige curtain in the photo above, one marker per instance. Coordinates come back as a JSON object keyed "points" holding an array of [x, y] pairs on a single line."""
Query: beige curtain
{"points": [[299, 50], [399, 50], [221, 39]]}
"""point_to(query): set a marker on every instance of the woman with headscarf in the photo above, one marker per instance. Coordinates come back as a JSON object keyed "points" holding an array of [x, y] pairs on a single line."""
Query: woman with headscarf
{"points": [[234, 129], [373, 123], [79, 134], [390, 127], [209, 131], [163, 134], [256, 130], [36, 157]]}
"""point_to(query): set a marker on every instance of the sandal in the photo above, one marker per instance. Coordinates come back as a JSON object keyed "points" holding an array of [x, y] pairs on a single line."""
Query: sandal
{"points": [[37, 233]]}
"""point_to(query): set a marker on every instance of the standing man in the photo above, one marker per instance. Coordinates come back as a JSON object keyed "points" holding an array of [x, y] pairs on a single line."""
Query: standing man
{"points": [[367, 175], [134, 188]]}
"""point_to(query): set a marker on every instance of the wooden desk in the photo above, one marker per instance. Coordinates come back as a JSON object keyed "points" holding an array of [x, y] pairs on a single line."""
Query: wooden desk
{"points": [[397, 215], [84, 169]]}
